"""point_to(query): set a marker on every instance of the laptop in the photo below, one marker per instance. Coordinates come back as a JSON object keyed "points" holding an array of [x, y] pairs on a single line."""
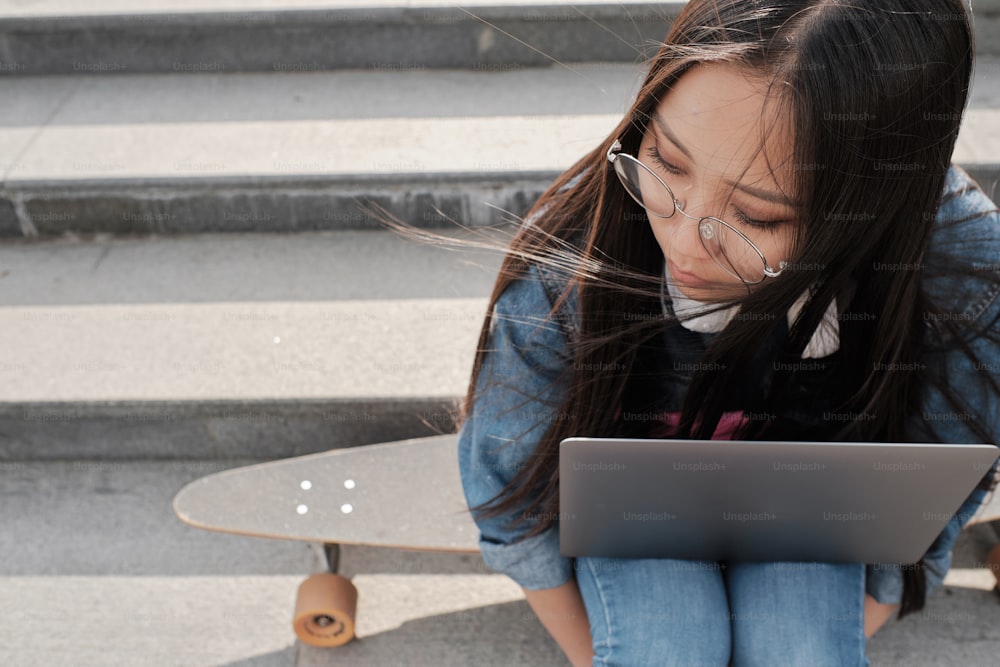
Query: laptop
{"points": [[761, 500]]}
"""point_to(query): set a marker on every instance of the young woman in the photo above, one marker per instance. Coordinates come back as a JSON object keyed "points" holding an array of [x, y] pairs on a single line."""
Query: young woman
{"points": [[771, 244]]}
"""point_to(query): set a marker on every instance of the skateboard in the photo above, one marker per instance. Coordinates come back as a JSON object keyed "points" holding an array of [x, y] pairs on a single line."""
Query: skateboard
{"points": [[405, 494]]}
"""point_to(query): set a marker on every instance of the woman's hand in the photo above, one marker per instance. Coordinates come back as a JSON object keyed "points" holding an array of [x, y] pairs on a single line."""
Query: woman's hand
{"points": [[876, 614]]}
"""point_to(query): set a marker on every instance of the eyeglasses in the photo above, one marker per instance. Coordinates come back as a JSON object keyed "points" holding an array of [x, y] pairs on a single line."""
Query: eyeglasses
{"points": [[731, 249]]}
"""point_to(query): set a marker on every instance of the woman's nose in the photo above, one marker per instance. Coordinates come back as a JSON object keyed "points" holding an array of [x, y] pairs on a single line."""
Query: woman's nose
{"points": [[694, 205], [684, 236], [690, 200]]}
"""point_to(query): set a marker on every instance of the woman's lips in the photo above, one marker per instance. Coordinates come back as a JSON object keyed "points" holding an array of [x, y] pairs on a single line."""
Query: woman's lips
{"points": [[685, 277]]}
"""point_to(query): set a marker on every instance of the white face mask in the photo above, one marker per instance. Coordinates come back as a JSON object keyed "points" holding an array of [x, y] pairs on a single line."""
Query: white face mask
{"points": [[824, 342]]}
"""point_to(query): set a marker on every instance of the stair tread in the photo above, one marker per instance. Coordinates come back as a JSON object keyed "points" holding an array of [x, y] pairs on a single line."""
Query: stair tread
{"points": [[240, 316], [343, 125]]}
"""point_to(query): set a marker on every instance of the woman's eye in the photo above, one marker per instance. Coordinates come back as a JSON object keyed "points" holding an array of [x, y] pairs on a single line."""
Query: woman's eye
{"points": [[658, 159], [766, 225], [738, 215]]}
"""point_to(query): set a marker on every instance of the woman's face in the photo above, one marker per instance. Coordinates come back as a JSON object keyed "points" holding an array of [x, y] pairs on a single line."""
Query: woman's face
{"points": [[704, 133]]}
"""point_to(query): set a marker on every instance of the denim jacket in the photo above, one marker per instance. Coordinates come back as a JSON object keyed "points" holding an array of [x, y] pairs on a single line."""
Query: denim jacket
{"points": [[522, 381]]}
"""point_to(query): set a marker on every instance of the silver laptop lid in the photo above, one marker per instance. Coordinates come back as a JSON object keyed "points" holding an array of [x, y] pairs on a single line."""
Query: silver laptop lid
{"points": [[761, 500]]}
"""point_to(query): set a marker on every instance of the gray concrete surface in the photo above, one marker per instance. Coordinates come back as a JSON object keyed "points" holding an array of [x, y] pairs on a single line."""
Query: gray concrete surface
{"points": [[97, 571], [114, 38], [24, 8], [71, 8], [298, 151], [176, 153], [234, 346]]}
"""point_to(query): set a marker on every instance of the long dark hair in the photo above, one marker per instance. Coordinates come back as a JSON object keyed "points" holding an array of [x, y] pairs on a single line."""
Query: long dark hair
{"points": [[876, 92]]}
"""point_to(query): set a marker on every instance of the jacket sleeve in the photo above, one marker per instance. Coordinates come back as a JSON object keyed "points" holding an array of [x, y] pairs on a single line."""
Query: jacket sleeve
{"points": [[980, 243], [519, 388]]}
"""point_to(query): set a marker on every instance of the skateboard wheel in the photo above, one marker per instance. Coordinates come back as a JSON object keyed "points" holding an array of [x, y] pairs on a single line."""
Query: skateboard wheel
{"points": [[324, 610]]}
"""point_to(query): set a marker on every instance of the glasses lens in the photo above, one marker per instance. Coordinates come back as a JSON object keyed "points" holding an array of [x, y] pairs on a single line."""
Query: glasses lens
{"points": [[731, 251], [649, 191]]}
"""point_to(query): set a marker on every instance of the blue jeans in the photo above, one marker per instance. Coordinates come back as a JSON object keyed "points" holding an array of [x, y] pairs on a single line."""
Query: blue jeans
{"points": [[667, 612]]}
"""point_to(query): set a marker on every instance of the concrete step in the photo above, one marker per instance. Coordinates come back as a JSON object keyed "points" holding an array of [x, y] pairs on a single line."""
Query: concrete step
{"points": [[195, 36], [171, 153], [141, 154], [119, 36], [94, 549], [227, 346], [98, 571]]}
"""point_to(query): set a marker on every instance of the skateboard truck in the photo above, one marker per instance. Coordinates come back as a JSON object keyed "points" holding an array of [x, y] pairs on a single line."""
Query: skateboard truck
{"points": [[328, 556]]}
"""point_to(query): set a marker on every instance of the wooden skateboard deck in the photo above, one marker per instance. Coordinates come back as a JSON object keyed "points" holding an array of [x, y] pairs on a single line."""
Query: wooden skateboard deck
{"points": [[404, 494]]}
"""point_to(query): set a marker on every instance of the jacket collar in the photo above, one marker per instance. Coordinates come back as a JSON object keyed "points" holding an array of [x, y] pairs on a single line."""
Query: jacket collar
{"points": [[824, 342]]}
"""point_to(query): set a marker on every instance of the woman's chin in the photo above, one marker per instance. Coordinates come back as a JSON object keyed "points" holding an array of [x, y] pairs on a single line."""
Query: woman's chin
{"points": [[708, 292], [705, 286], [697, 292]]}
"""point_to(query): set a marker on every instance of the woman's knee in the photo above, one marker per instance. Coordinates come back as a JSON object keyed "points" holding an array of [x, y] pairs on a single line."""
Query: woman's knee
{"points": [[659, 612], [809, 614]]}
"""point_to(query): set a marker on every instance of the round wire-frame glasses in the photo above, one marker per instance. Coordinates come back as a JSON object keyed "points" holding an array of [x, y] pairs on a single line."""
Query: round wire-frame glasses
{"points": [[731, 249]]}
